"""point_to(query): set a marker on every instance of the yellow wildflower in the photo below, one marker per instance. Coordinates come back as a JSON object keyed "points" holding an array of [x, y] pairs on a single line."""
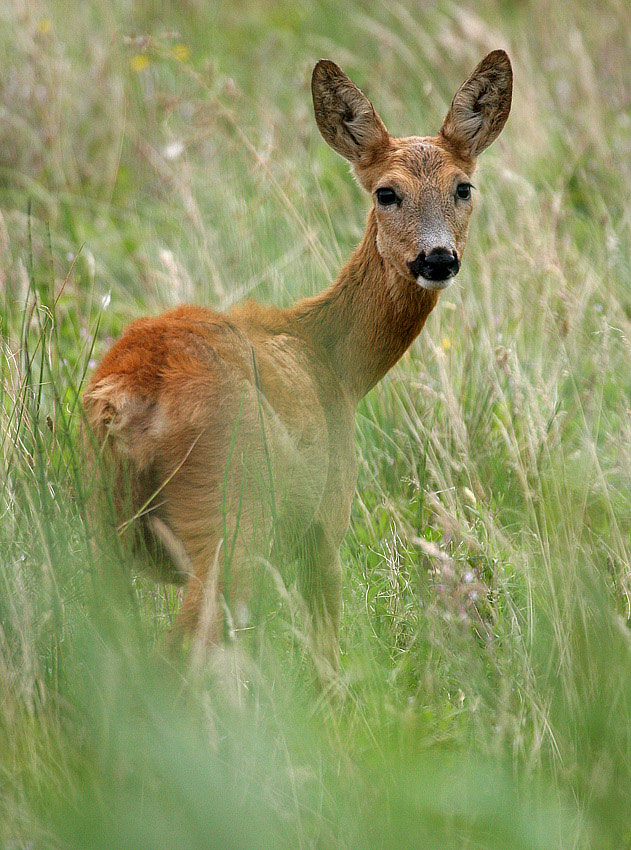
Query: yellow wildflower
{"points": [[181, 52], [139, 62]]}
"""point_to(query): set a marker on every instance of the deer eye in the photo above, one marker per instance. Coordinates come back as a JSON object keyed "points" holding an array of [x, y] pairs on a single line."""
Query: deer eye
{"points": [[463, 191], [387, 196]]}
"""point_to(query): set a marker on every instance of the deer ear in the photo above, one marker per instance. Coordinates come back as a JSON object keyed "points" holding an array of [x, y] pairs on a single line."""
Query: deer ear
{"points": [[344, 115], [481, 105]]}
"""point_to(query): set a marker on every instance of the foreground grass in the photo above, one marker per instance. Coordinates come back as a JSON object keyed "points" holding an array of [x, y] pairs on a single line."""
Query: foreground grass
{"points": [[154, 155]]}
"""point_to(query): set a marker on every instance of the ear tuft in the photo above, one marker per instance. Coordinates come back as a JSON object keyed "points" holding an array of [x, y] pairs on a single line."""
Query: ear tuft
{"points": [[480, 106], [344, 115]]}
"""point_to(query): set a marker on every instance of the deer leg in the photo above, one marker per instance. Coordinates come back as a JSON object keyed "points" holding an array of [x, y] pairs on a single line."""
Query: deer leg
{"points": [[201, 614], [218, 590], [320, 583]]}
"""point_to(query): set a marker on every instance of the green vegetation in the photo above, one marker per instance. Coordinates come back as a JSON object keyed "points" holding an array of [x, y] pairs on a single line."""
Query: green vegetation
{"points": [[152, 153]]}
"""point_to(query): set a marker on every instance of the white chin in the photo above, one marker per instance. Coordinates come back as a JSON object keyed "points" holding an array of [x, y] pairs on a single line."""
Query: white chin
{"points": [[434, 284]]}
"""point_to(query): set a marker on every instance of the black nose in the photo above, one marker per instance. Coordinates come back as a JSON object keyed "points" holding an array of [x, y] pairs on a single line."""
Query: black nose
{"points": [[439, 264]]}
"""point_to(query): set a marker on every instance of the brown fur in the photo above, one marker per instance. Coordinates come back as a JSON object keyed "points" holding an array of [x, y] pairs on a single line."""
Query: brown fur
{"points": [[234, 427]]}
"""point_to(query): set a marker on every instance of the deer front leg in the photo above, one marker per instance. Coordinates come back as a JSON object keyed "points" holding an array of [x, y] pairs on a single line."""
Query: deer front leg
{"points": [[320, 583]]}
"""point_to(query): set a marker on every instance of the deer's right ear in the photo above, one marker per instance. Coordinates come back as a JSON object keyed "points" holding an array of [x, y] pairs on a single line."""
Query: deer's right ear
{"points": [[344, 115]]}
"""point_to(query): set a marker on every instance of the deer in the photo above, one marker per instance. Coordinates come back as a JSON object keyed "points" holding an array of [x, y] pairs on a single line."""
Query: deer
{"points": [[223, 431]]}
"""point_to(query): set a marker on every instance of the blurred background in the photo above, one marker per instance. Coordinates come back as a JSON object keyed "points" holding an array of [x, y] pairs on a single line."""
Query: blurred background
{"points": [[153, 153]]}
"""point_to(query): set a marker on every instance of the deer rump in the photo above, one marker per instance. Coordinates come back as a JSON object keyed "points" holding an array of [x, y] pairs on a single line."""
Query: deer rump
{"points": [[192, 449]]}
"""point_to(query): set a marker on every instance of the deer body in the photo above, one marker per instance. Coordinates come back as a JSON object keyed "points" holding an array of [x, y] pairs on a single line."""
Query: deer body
{"points": [[238, 428]]}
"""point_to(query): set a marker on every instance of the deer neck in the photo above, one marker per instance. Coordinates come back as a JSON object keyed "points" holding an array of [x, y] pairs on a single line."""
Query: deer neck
{"points": [[366, 320]]}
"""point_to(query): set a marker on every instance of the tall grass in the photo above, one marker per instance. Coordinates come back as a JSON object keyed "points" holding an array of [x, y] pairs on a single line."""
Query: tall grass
{"points": [[152, 153]]}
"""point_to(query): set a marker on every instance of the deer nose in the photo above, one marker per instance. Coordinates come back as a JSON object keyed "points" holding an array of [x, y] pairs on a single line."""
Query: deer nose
{"points": [[439, 264]]}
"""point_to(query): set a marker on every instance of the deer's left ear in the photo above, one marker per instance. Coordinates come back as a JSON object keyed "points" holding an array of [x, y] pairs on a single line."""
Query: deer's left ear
{"points": [[480, 106]]}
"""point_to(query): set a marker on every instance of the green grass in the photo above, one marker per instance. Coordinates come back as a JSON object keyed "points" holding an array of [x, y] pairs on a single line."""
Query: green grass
{"points": [[152, 153]]}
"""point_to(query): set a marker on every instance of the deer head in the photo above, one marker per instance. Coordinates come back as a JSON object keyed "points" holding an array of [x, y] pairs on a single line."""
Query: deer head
{"points": [[420, 185]]}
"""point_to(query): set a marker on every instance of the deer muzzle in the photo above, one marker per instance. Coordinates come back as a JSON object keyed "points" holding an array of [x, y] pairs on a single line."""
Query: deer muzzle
{"points": [[436, 269]]}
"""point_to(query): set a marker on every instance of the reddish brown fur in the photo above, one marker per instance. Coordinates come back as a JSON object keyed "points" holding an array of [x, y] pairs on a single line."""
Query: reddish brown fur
{"points": [[275, 391]]}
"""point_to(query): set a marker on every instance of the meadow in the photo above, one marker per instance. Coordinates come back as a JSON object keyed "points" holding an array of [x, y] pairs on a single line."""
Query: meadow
{"points": [[153, 153]]}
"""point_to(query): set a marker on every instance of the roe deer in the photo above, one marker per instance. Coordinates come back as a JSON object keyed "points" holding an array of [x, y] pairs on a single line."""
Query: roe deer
{"points": [[237, 425]]}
